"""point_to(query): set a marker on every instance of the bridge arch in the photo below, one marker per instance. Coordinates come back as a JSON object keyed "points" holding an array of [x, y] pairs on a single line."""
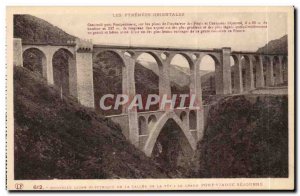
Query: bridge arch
{"points": [[247, 72], [152, 54], [151, 121], [258, 71], [211, 62], [65, 49], [192, 120], [114, 52], [186, 56], [149, 67], [182, 62], [35, 60], [142, 125], [268, 70], [277, 66], [154, 133], [109, 65], [285, 68], [183, 116], [64, 71], [235, 73]]}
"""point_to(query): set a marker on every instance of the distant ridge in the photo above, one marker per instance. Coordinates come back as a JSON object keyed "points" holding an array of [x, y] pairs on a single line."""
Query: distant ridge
{"points": [[275, 46]]}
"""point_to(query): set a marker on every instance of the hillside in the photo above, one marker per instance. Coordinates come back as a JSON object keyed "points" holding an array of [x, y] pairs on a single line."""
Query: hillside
{"points": [[245, 136], [61, 139], [276, 46], [32, 29]]}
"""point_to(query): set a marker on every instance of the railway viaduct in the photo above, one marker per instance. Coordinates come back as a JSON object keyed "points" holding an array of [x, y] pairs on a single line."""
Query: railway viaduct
{"points": [[143, 128]]}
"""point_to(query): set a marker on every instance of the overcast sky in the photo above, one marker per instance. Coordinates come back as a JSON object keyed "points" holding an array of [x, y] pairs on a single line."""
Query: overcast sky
{"points": [[76, 24]]}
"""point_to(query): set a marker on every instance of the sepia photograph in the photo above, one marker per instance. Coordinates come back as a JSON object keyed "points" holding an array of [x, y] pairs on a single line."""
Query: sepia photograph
{"points": [[150, 98]]}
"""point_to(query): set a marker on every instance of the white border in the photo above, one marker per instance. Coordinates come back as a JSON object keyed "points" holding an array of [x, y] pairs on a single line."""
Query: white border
{"points": [[104, 3]]}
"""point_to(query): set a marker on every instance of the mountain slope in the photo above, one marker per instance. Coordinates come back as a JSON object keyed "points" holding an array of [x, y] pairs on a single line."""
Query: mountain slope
{"points": [[276, 46], [32, 29], [57, 138], [245, 136]]}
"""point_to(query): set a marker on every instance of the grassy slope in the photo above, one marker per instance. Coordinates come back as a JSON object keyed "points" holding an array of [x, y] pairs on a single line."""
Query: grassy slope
{"points": [[57, 138]]}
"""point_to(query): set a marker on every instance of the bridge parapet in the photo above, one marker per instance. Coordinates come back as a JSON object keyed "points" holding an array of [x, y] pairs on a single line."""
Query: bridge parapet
{"points": [[84, 45]]}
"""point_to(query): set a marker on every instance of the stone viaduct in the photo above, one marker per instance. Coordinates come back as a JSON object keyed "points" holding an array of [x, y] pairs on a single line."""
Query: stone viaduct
{"points": [[255, 70]]}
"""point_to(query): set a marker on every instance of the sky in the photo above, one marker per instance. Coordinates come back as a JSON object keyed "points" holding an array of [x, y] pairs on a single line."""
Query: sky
{"points": [[251, 40]]}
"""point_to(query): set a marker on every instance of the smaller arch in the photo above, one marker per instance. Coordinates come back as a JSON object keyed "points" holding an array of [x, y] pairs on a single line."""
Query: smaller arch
{"points": [[151, 121], [192, 120], [142, 125], [183, 116], [277, 73]]}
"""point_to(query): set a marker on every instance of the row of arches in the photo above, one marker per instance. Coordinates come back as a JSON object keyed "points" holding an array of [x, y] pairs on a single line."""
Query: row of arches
{"points": [[149, 75], [146, 124], [108, 75], [189, 119], [63, 67], [109, 68], [257, 71]]}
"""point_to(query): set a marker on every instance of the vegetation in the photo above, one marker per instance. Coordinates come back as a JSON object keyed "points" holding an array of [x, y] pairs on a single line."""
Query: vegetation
{"points": [[246, 136], [35, 30], [276, 46], [57, 138]]}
